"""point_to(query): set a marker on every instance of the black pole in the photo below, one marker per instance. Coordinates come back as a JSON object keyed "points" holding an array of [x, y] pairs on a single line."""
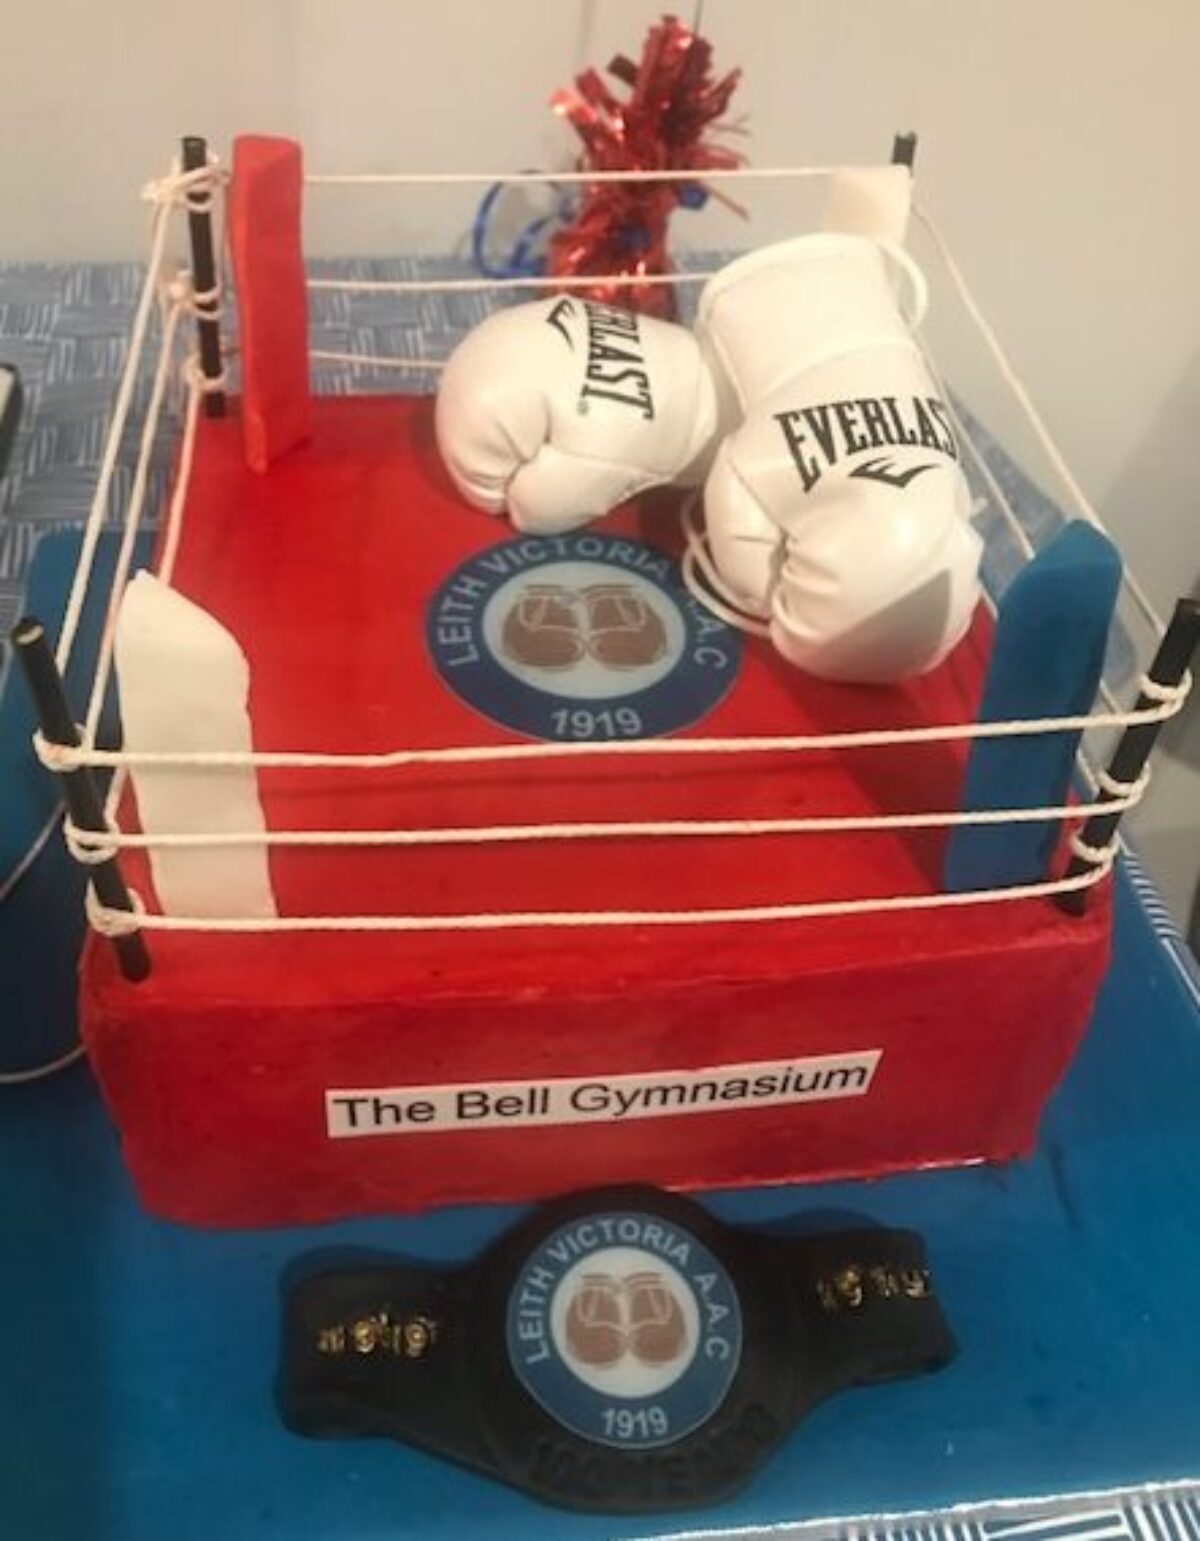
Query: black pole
{"points": [[1170, 664], [904, 150], [80, 792], [204, 275]]}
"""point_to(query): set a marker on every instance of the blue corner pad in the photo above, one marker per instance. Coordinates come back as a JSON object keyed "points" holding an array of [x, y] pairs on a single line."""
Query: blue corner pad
{"points": [[1047, 658]]}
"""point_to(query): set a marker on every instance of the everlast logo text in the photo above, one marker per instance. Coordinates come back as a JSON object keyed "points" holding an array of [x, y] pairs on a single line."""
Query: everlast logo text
{"points": [[819, 437], [616, 368]]}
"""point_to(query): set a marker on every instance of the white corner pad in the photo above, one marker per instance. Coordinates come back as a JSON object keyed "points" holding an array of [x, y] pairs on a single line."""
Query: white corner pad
{"points": [[184, 685], [873, 201]]}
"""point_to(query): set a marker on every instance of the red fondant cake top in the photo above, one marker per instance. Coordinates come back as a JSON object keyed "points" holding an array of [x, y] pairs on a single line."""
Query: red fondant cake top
{"points": [[326, 568]]}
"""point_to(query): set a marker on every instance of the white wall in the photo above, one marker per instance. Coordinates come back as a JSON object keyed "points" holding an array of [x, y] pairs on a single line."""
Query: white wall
{"points": [[1059, 148]]}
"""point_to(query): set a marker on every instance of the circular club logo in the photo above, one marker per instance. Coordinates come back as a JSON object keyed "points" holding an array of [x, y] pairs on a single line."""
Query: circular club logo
{"points": [[625, 1329], [580, 637]]}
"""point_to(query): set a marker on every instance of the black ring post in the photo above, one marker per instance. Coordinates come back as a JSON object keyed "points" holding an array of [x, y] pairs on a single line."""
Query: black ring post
{"points": [[1170, 664], [204, 277], [904, 150], [80, 792]]}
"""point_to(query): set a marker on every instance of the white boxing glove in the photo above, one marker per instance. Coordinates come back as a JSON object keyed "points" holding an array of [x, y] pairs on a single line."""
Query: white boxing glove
{"points": [[558, 410], [838, 510]]}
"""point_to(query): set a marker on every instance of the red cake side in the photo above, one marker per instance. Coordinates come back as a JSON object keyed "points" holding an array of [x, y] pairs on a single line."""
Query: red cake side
{"points": [[330, 571]]}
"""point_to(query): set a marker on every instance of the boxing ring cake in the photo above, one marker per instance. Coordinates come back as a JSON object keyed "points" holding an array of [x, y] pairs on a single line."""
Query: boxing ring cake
{"points": [[531, 871]]}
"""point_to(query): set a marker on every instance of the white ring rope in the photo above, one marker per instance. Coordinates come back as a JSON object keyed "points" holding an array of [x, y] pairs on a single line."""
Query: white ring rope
{"points": [[194, 191], [108, 462], [1122, 794], [133, 517], [1155, 690], [92, 846], [40, 1072], [171, 193], [111, 922], [1096, 855], [537, 281], [205, 303], [374, 360], [1012, 519], [197, 386], [685, 277], [65, 756], [27, 859], [196, 389], [183, 475], [1023, 399], [523, 178]]}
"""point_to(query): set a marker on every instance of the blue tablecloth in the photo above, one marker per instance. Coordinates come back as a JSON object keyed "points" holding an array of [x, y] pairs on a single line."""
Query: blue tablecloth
{"points": [[137, 1358]]}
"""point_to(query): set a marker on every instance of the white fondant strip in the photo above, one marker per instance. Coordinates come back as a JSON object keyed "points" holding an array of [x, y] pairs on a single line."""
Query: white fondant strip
{"points": [[184, 683], [869, 200], [597, 1099]]}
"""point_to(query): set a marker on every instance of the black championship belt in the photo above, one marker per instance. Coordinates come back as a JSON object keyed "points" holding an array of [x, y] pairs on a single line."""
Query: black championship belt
{"points": [[619, 1350]]}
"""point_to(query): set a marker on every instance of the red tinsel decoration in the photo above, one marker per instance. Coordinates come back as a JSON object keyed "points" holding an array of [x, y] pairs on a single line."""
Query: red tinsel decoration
{"points": [[673, 102]]}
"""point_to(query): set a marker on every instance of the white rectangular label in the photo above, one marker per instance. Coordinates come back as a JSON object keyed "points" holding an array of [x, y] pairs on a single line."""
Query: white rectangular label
{"points": [[350, 1112]]}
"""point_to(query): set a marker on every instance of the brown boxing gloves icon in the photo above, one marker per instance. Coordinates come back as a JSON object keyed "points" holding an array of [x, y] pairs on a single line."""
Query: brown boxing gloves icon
{"points": [[639, 1315], [595, 1330], [657, 1330], [624, 629], [544, 627]]}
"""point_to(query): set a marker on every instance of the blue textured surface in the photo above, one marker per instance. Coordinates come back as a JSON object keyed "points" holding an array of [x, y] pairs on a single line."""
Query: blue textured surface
{"points": [[138, 1357]]}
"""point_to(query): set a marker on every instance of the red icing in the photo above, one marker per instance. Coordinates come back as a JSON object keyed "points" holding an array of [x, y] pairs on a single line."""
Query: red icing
{"points": [[216, 1068], [268, 262]]}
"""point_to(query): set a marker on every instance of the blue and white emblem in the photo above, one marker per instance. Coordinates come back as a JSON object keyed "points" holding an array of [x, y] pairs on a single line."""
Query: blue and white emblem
{"points": [[625, 1328], [583, 636]]}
